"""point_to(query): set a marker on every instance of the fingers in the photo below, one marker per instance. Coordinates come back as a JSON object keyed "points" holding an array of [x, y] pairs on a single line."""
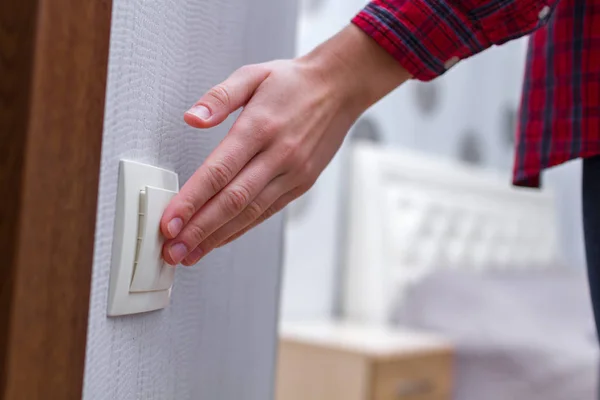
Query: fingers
{"points": [[301, 178], [223, 207], [220, 101], [251, 213], [274, 209], [236, 228], [221, 166]]}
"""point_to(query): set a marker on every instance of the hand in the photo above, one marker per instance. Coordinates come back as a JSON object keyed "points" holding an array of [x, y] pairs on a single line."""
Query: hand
{"points": [[295, 117]]}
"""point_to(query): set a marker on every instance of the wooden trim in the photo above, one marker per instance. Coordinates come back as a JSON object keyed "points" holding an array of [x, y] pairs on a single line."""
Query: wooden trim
{"points": [[53, 64]]}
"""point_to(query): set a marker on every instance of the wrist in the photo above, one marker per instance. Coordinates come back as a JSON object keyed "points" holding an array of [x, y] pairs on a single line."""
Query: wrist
{"points": [[359, 70]]}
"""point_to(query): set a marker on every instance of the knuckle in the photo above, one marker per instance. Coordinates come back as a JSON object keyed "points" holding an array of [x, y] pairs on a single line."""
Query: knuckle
{"points": [[290, 153], [196, 234], [264, 124], [254, 128], [273, 124], [219, 175], [187, 207], [220, 93], [289, 148], [235, 200], [253, 211]]}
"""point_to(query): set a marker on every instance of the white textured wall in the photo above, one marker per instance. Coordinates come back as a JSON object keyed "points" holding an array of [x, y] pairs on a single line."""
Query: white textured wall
{"points": [[217, 339]]}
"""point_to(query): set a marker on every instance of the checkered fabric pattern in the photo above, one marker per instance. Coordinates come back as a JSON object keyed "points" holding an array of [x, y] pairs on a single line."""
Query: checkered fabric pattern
{"points": [[560, 107]]}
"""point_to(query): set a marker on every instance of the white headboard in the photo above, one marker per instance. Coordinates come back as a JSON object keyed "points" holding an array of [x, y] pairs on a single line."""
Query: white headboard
{"points": [[410, 214]]}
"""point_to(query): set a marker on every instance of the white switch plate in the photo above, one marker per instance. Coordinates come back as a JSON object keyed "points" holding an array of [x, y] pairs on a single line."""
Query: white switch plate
{"points": [[158, 186]]}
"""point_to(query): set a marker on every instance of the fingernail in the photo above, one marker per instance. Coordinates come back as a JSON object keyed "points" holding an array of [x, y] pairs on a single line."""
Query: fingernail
{"points": [[177, 252], [174, 227], [194, 256], [200, 112]]}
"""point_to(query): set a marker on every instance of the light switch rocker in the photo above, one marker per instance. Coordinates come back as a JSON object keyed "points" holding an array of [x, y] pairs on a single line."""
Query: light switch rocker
{"points": [[140, 280]]}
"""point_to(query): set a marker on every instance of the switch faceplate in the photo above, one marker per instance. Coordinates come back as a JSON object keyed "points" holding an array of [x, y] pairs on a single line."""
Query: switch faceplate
{"points": [[139, 278]]}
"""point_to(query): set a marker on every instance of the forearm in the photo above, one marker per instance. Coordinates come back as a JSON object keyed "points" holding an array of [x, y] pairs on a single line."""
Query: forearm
{"points": [[358, 69]]}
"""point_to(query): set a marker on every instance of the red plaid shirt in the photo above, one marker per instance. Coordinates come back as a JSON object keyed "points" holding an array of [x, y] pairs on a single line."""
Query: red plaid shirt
{"points": [[560, 106]]}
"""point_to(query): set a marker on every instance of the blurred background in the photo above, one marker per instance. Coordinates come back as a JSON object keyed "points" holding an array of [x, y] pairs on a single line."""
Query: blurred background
{"points": [[413, 238]]}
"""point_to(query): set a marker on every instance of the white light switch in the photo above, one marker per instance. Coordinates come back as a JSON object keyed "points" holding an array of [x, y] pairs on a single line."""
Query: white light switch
{"points": [[140, 280], [150, 272]]}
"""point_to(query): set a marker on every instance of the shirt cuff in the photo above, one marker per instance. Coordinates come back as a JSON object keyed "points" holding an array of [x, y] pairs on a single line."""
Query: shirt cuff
{"points": [[428, 37]]}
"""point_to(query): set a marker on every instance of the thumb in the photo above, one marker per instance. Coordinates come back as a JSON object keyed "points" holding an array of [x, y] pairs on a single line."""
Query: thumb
{"points": [[226, 97]]}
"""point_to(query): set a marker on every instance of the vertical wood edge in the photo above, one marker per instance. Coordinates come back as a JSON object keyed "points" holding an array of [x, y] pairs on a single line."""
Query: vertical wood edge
{"points": [[46, 301], [17, 31]]}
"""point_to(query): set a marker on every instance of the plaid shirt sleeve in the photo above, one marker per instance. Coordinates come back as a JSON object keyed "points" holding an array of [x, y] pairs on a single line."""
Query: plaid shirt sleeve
{"points": [[428, 37]]}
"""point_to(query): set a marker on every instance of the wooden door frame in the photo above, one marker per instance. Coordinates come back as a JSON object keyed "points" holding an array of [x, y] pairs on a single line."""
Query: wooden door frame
{"points": [[53, 65]]}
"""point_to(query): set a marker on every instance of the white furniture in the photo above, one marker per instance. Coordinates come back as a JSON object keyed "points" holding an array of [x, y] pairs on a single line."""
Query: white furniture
{"points": [[410, 214]]}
